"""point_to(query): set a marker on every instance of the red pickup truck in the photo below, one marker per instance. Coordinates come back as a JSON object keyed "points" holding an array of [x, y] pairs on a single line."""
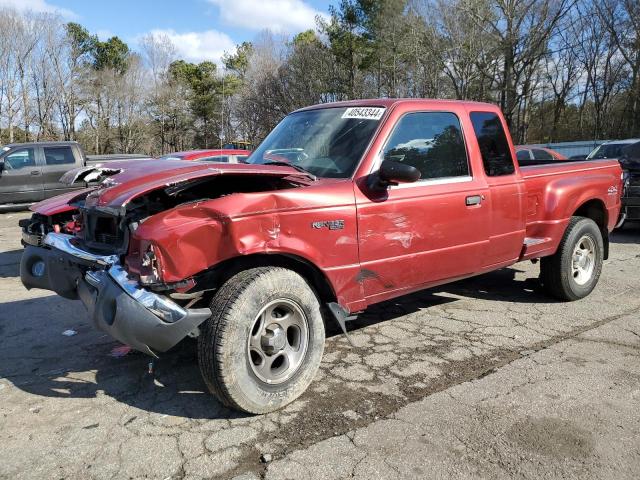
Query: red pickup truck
{"points": [[342, 206]]}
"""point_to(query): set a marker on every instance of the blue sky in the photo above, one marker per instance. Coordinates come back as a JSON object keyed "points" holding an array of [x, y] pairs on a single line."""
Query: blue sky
{"points": [[200, 29]]}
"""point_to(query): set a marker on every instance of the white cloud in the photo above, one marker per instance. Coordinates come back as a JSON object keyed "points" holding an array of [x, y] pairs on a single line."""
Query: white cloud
{"points": [[289, 16], [199, 46], [40, 6]]}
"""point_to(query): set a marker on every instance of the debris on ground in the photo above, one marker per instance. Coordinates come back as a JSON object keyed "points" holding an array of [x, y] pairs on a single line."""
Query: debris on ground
{"points": [[69, 333], [120, 351], [266, 457]]}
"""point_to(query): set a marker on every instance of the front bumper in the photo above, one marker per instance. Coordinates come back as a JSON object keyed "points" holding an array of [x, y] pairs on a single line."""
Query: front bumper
{"points": [[117, 305]]}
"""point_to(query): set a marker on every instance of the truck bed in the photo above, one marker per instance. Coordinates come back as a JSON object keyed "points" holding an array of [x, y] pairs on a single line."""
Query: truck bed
{"points": [[552, 198]]}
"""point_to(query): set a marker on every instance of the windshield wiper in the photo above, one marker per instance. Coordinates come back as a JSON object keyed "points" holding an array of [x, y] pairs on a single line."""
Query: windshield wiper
{"points": [[297, 167]]}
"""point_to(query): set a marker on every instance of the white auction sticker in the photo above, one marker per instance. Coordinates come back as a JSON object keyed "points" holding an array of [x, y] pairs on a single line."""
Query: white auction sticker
{"points": [[364, 113]]}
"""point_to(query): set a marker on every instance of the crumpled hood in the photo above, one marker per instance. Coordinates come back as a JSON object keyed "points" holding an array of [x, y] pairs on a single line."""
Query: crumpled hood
{"points": [[128, 180]]}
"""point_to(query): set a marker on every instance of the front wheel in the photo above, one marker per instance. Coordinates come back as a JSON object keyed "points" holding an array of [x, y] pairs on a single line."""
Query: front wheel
{"points": [[263, 344], [573, 271]]}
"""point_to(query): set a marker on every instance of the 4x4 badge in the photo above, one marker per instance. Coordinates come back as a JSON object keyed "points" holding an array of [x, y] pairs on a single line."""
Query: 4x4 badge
{"points": [[330, 224]]}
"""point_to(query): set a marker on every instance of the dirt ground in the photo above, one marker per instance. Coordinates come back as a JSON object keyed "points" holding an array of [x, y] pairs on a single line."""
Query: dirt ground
{"points": [[484, 378]]}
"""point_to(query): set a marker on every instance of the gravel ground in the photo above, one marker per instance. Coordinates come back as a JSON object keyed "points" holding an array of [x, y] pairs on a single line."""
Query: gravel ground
{"points": [[484, 378]]}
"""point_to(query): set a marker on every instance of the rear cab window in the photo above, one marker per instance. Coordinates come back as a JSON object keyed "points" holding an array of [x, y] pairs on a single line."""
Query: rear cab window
{"points": [[432, 142], [58, 156], [523, 155], [539, 154], [494, 147]]}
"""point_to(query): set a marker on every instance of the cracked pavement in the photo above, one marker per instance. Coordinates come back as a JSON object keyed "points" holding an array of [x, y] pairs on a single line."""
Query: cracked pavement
{"points": [[483, 378]]}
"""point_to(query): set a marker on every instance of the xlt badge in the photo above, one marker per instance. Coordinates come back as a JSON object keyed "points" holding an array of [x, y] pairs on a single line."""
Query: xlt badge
{"points": [[330, 224]]}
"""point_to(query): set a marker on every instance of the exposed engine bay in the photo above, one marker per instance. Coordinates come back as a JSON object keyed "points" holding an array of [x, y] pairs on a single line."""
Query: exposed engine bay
{"points": [[105, 230]]}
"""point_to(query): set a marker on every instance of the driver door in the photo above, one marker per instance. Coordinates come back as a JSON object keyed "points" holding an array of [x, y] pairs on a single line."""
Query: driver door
{"points": [[21, 177], [436, 229]]}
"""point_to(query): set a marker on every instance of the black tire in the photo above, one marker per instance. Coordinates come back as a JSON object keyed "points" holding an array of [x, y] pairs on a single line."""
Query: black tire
{"points": [[223, 344], [556, 272]]}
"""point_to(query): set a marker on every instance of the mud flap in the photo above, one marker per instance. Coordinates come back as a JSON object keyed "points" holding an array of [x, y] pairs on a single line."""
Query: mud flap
{"points": [[342, 317]]}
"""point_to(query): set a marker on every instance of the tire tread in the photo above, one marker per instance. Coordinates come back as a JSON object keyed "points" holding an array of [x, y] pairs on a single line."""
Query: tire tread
{"points": [[551, 268]]}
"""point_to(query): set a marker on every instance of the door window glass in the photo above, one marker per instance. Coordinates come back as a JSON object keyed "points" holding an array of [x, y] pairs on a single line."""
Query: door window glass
{"points": [[432, 142], [523, 155], [494, 147], [58, 156], [21, 158]]}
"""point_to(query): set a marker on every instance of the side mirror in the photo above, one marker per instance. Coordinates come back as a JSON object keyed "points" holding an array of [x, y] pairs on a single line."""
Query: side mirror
{"points": [[393, 173]]}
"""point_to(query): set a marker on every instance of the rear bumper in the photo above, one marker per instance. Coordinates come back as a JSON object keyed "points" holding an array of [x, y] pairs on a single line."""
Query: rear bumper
{"points": [[146, 321]]}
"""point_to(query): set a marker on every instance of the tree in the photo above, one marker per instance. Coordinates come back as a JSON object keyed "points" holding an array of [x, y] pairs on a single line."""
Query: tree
{"points": [[348, 46], [205, 89]]}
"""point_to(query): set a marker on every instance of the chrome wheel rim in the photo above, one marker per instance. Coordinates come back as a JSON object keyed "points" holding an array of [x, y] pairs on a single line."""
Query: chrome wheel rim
{"points": [[583, 260], [278, 341]]}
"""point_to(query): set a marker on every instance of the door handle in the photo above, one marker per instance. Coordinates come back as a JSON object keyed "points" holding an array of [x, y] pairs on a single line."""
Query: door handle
{"points": [[35, 172], [474, 200]]}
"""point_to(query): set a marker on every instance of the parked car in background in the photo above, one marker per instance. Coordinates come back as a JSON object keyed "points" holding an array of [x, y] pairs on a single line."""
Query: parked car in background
{"points": [[115, 157], [376, 199], [630, 162], [239, 145], [223, 155], [612, 149], [30, 172], [532, 152]]}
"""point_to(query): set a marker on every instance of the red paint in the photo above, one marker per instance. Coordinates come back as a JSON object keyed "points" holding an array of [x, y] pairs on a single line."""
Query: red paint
{"points": [[59, 204], [411, 238]]}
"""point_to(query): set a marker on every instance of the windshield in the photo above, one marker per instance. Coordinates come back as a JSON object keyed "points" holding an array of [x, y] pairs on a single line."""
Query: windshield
{"points": [[607, 150], [327, 142]]}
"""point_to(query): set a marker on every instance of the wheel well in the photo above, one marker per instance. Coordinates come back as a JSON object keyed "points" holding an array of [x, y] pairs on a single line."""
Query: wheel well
{"points": [[221, 272], [596, 211]]}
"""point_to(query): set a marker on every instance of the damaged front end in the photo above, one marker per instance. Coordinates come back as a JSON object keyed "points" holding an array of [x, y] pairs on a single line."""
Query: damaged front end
{"points": [[117, 305], [90, 251]]}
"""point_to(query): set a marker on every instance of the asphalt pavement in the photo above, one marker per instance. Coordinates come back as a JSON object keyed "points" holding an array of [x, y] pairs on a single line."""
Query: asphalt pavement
{"points": [[483, 378]]}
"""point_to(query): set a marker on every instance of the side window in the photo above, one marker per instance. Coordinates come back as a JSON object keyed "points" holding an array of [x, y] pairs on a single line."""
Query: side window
{"points": [[541, 154], [523, 155], [217, 159], [242, 158], [493, 143], [430, 141], [20, 158], [58, 156]]}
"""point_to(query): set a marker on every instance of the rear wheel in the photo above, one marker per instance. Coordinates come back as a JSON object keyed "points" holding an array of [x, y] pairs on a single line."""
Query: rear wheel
{"points": [[573, 271], [263, 344]]}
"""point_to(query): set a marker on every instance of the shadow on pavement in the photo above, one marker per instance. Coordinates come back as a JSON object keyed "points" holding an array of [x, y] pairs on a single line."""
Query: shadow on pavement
{"points": [[629, 233], [10, 263], [499, 286], [37, 358]]}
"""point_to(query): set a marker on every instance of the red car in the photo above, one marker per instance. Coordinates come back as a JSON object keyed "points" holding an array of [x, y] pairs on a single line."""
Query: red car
{"points": [[533, 152], [365, 201], [217, 155]]}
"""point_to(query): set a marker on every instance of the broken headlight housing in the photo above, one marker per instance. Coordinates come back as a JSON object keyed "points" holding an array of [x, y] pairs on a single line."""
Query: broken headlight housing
{"points": [[149, 266]]}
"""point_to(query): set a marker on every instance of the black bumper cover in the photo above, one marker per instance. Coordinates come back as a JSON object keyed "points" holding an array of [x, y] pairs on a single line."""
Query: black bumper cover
{"points": [[110, 308]]}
